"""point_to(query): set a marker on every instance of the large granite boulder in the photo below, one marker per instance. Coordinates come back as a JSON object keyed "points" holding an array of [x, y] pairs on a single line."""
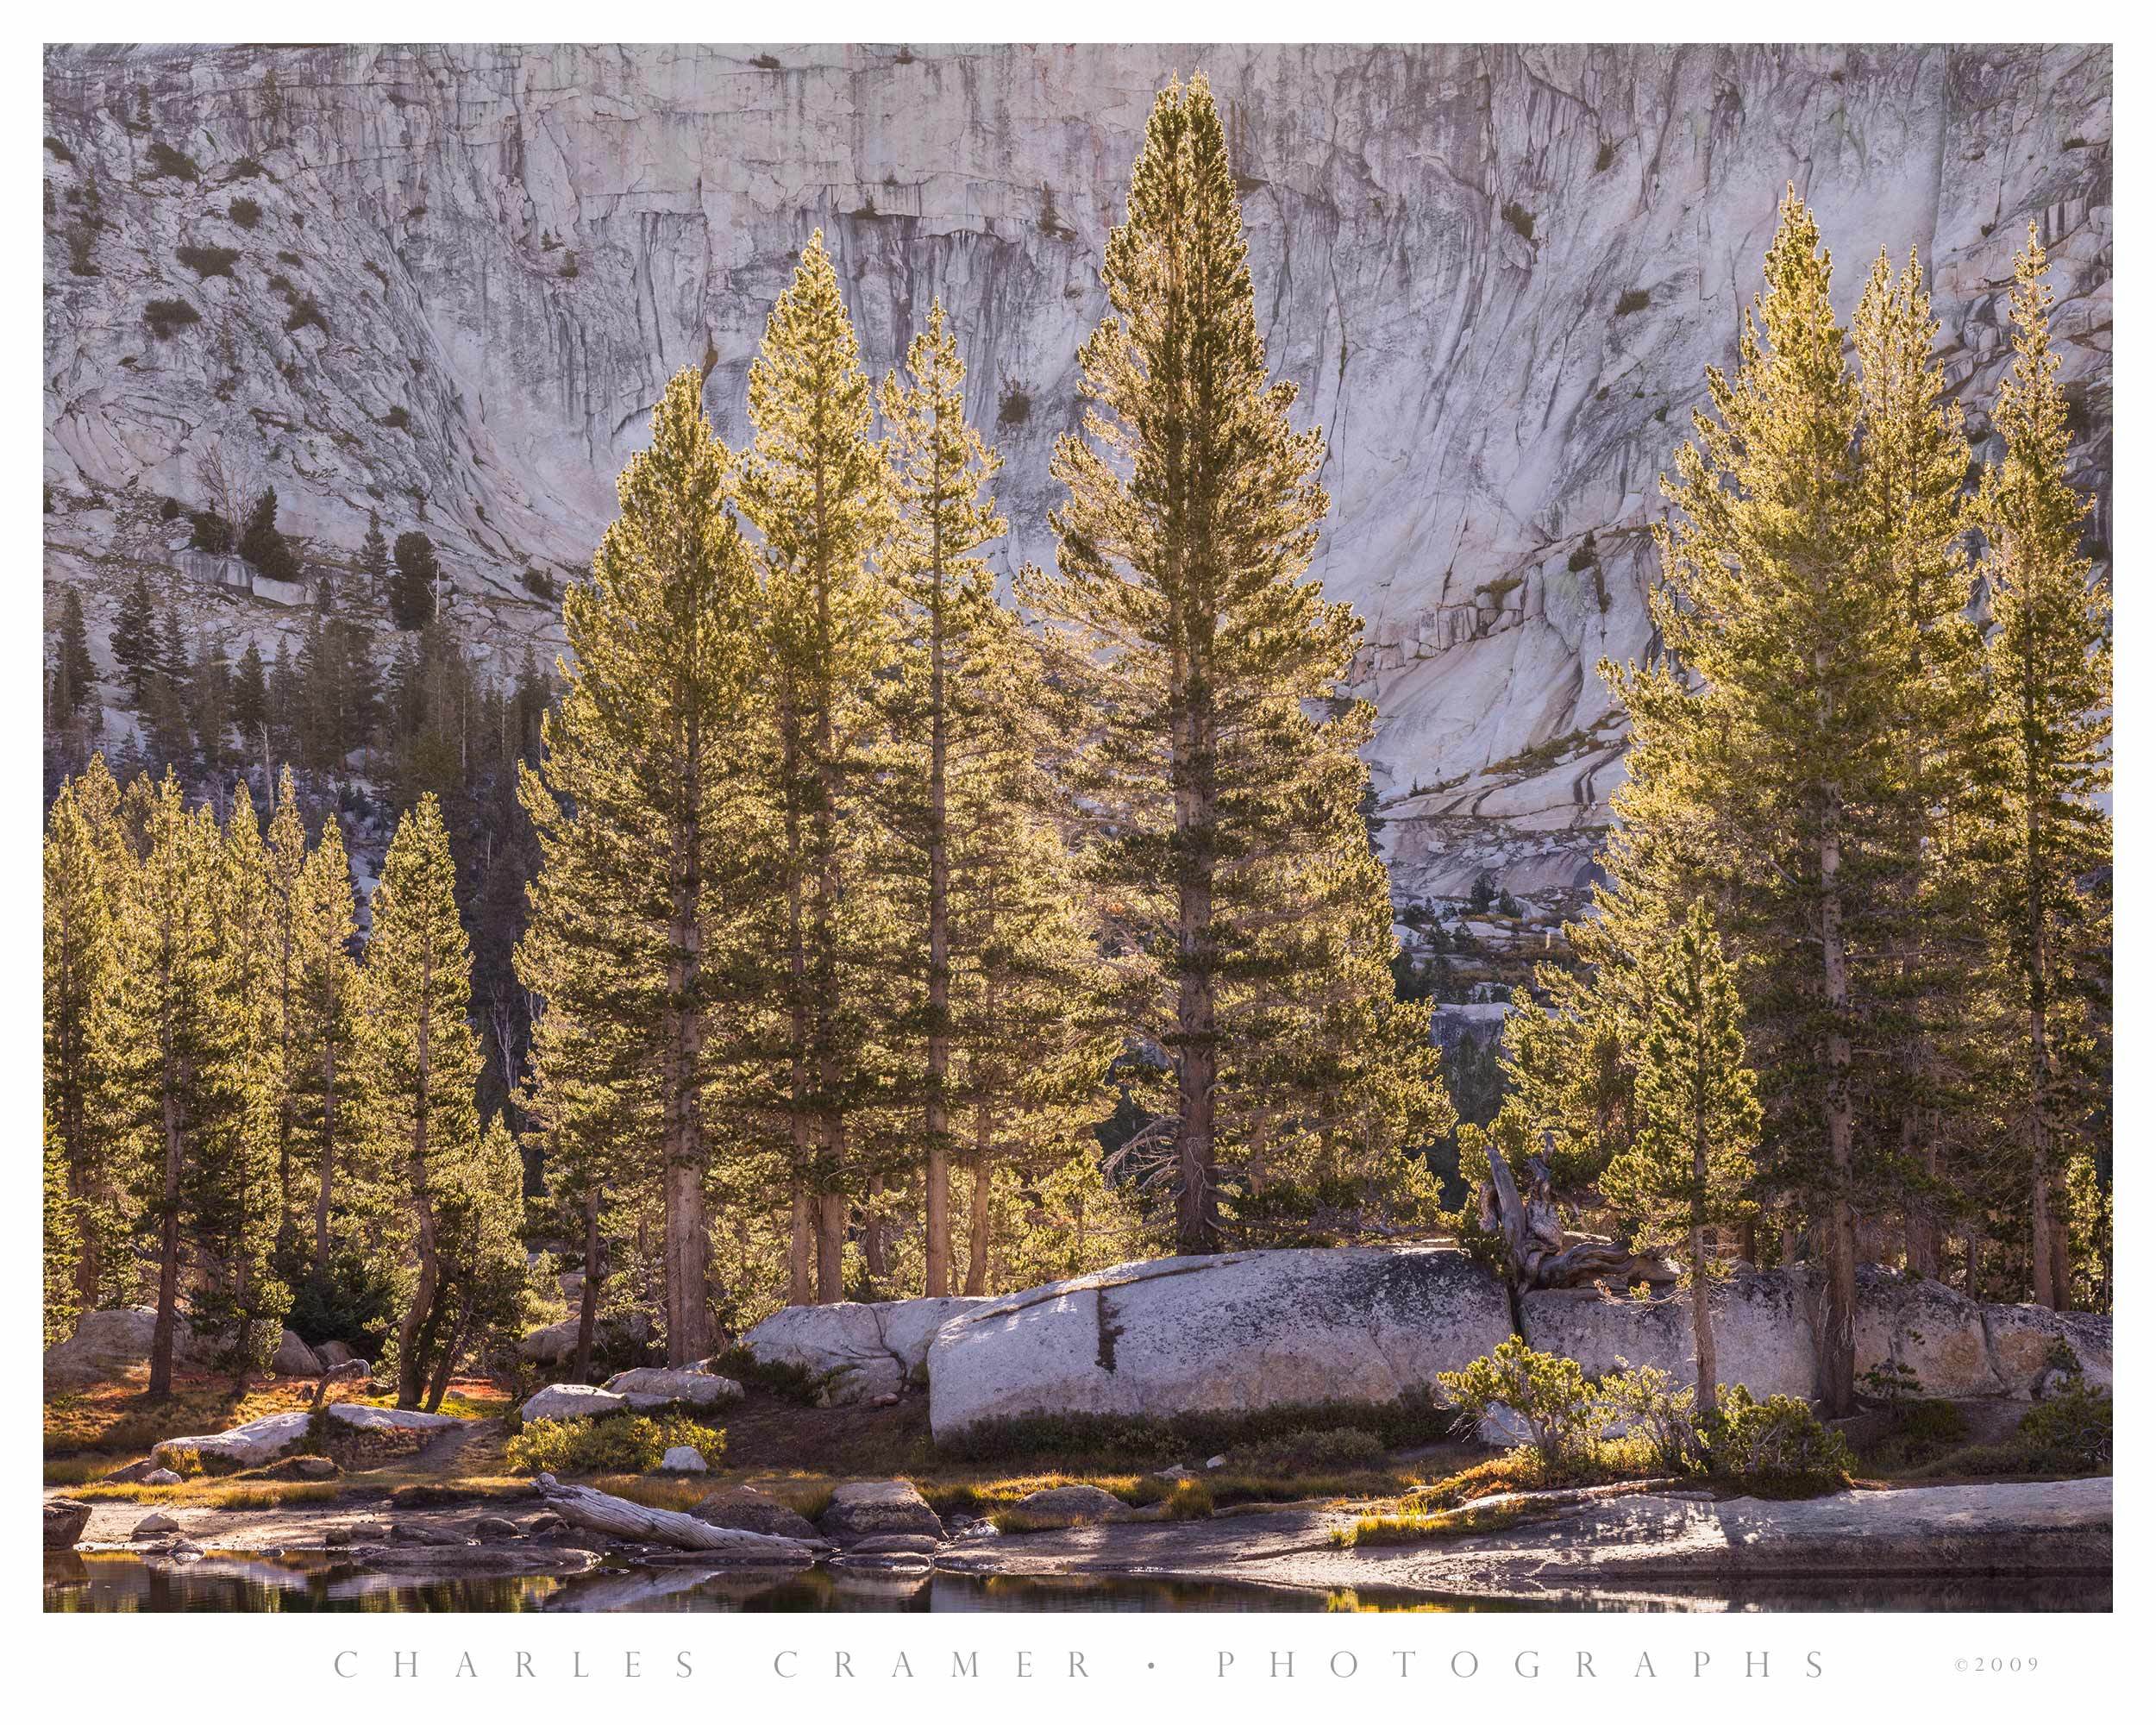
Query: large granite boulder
{"points": [[2027, 1341], [864, 1507], [294, 1359], [1762, 1333], [108, 1345], [658, 1386], [751, 1511], [1911, 1329], [863, 1351], [556, 1345], [1240, 1331], [571, 1401], [248, 1446], [362, 1418], [1069, 1506], [65, 1519]]}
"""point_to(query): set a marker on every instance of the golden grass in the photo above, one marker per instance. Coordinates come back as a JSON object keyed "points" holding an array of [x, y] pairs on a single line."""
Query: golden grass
{"points": [[219, 1494], [1414, 1528]]}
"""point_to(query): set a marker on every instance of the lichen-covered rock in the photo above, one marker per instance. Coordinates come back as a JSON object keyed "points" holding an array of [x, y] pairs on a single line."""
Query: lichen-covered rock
{"points": [[556, 1345], [1241, 1331], [864, 1508], [248, 1446], [1908, 1329], [863, 1351], [654, 1386], [294, 1359], [571, 1401], [2029, 1341], [363, 1417]]}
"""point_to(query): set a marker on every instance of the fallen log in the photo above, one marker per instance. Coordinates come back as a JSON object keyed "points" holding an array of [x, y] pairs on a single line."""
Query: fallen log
{"points": [[600, 1512]]}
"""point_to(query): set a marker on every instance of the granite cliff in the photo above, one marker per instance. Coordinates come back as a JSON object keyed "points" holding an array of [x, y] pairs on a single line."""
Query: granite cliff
{"points": [[458, 278]]}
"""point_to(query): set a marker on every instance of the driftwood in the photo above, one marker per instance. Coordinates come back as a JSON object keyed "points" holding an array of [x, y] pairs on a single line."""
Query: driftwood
{"points": [[1541, 1254], [597, 1512], [346, 1372]]}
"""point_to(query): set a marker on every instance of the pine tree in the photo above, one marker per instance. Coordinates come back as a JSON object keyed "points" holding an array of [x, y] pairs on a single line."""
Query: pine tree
{"points": [[135, 643], [940, 468], [2049, 661], [285, 705], [285, 862], [75, 673], [1689, 1169], [322, 1030], [1916, 456], [813, 485], [644, 822], [1233, 849], [1773, 770], [264, 547], [63, 1247], [374, 559], [412, 587], [85, 872], [250, 705], [481, 1252], [210, 704], [422, 1068]]}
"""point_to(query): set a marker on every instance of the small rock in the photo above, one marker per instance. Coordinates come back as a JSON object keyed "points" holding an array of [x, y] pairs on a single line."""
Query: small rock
{"points": [[407, 1533], [861, 1508], [683, 1459], [65, 1519], [1070, 1505], [183, 1553], [160, 1475], [1216, 1461], [314, 1467], [150, 1525], [132, 1473], [748, 1510], [546, 1521], [889, 1399], [916, 1544], [496, 1528], [1178, 1472]]}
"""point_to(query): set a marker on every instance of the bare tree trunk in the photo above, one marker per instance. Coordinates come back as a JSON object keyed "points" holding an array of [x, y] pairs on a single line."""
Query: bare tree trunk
{"points": [[831, 1248], [161, 1333], [1702, 1314], [446, 1366], [688, 1241], [409, 1365], [977, 1220], [936, 1198], [587, 1304], [1923, 1222], [326, 1174], [1837, 1336], [800, 1249], [872, 1250]]}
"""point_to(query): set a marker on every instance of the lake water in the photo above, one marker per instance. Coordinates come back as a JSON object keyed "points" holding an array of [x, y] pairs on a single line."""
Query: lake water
{"points": [[85, 1581]]}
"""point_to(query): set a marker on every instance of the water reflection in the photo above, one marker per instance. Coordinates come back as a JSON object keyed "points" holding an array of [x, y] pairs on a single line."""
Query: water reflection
{"points": [[119, 1581]]}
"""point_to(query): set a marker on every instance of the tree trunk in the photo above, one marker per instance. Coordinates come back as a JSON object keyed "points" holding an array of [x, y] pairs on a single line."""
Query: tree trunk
{"points": [[446, 1366], [872, 1252], [800, 1251], [831, 1248], [327, 1173], [161, 1333], [1837, 1335], [1702, 1314], [587, 1304], [688, 1241], [936, 1198], [603, 1513], [1923, 1222], [977, 1221]]}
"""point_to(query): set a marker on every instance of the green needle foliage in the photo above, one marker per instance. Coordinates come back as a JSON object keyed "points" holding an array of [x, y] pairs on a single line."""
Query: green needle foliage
{"points": [[1229, 851]]}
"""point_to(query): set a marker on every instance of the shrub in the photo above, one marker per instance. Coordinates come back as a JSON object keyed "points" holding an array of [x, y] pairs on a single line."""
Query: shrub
{"points": [[208, 261], [1309, 1452], [1549, 1394], [213, 533], [1778, 1445], [247, 169], [167, 317], [1631, 300], [246, 212], [1138, 1438], [610, 1443], [1519, 222], [1016, 406], [1922, 1429], [60, 151], [303, 313], [396, 419], [1191, 1501], [1646, 1401], [539, 584], [2069, 1433], [1605, 156], [1584, 556], [168, 162]]}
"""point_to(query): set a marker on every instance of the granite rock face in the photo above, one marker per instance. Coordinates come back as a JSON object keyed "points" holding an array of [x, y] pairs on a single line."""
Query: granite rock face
{"points": [[458, 277], [859, 1352], [1240, 1331]]}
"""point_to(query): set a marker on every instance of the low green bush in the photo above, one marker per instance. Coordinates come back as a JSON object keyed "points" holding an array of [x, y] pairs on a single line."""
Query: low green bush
{"points": [[1631, 300], [208, 261], [610, 1443], [1398, 1424], [245, 212], [1659, 1415], [1549, 1394], [168, 317], [1309, 1452], [1777, 1447], [2069, 1433], [177, 164]]}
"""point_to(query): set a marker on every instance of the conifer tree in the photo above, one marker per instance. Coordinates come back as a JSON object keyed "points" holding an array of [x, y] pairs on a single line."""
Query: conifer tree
{"points": [[250, 706], [813, 485], [322, 1030], [1231, 842], [1916, 454], [85, 872], [262, 545], [210, 704], [940, 467], [75, 673], [482, 1251], [412, 587], [63, 1247], [2049, 661], [1774, 743], [374, 559], [1689, 1169], [422, 1068], [135, 642], [285, 862], [647, 830]]}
